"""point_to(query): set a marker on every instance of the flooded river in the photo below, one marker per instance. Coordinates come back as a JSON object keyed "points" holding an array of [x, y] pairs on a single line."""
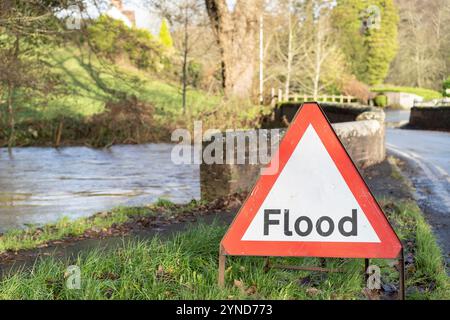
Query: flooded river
{"points": [[39, 185]]}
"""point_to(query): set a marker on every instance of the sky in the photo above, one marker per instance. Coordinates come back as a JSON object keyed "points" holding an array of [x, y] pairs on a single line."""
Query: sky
{"points": [[145, 18]]}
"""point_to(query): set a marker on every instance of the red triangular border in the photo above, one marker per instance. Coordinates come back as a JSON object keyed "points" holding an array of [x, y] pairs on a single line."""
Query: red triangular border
{"points": [[390, 245]]}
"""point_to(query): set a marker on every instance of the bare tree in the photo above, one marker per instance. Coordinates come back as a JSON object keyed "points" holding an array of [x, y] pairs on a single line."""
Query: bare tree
{"points": [[185, 16], [25, 28], [236, 31], [424, 40], [322, 63]]}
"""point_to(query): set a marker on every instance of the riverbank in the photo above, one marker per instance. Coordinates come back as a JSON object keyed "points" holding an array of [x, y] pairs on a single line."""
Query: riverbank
{"points": [[98, 104], [116, 249]]}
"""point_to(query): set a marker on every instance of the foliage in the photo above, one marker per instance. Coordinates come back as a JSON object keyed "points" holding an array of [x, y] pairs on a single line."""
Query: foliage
{"points": [[446, 87], [164, 35], [87, 85], [381, 100], [428, 271], [427, 94], [352, 87], [423, 59], [194, 73], [111, 38], [369, 51]]}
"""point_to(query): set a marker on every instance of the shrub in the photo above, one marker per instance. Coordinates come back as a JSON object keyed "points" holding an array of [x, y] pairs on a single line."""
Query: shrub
{"points": [[112, 38], [195, 73], [125, 121], [446, 87], [381, 100], [164, 35], [427, 94], [352, 87]]}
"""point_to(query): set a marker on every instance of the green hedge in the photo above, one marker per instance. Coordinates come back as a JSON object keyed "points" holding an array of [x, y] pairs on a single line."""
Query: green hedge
{"points": [[446, 86], [381, 100], [112, 38], [427, 94]]}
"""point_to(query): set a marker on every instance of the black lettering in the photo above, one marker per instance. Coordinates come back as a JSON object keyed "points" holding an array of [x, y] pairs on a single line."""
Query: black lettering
{"points": [[330, 226], [287, 232], [308, 229], [353, 220], [268, 222]]}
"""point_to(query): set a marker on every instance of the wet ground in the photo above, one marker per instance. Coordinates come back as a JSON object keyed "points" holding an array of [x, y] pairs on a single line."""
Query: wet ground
{"points": [[427, 157], [41, 185]]}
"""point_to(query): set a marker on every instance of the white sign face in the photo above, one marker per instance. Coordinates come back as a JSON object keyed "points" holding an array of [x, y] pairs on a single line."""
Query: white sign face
{"points": [[310, 202]]}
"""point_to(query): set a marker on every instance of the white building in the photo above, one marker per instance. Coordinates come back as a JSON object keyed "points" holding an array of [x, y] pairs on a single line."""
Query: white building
{"points": [[116, 11]]}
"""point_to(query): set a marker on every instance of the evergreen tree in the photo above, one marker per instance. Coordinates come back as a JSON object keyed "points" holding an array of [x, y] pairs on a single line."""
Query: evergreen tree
{"points": [[367, 32], [164, 35]]}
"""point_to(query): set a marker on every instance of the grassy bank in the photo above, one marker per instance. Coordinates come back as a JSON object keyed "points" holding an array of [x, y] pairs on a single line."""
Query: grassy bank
{"points": [[185, 267], [101, 224], [427, 94], [95, 102]]}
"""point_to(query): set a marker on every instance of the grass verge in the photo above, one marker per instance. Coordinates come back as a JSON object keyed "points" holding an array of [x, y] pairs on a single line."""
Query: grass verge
{"points": [[185, 267], [88, 86], [101, 224], [427, 94]]}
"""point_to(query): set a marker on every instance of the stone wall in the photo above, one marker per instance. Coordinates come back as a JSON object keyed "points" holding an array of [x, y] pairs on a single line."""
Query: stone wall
{"points": [[335, 112], [430, 118], [402, 99], [364, 141]]}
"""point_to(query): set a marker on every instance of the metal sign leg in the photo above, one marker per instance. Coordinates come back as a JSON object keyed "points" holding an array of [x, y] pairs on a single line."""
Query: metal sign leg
{"points": [[222, 262], [366, 268], [401, 267], [267, 264]]}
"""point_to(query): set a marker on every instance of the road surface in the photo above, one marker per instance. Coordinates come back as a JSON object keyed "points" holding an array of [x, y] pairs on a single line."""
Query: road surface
{"points": [[428, 156]]}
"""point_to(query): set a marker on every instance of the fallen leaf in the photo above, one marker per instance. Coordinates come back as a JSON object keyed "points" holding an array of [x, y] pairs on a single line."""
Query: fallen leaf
{"points": [[312, 292], [371, 294], [251, 290], [238, 284]]}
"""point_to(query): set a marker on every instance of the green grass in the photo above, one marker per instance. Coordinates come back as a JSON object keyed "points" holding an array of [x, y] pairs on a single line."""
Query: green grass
{"points": [[427, 94], [35, 236], [185, 267], [88, 85], [428, 270]]}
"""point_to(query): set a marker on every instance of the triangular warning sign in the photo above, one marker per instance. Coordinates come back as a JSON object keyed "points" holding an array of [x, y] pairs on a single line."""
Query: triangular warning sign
{"points": [[316, 204]]}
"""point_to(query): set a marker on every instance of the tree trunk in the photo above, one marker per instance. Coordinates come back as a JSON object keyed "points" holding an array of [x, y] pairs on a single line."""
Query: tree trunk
{"points": [[236, 34], [185, 59], [11, 89], [11, 116], [289, 58]]}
